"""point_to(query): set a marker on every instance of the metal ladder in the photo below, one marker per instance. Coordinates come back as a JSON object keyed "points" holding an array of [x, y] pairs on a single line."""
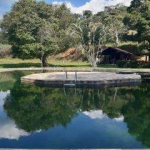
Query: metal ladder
{"points": [[69, 84]]}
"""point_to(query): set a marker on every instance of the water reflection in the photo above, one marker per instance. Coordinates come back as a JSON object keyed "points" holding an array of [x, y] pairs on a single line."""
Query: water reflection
{"points": [[8, 127], [50, 106], [86, 118]]}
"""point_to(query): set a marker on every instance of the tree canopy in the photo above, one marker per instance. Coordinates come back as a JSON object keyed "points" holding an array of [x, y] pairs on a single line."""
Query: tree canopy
{"points": [[138, 19], [36, 29]]}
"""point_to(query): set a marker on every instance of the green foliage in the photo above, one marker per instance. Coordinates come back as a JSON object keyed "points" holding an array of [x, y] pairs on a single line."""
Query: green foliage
{"points": [[121, 63], [5, 50], [87, 14], [133, 47], [8, 79], [3, 38], [95, 32], [34, 108], [136, 114], [138, 20], [129, 64], [36, 29], [39, 108], [132, 64]]}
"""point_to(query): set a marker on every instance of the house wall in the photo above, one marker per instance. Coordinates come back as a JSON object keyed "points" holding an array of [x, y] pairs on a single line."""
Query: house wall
{"points": [[143, 58]]}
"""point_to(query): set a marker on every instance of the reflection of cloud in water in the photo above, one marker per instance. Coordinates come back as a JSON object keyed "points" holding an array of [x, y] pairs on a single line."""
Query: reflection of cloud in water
{"points": [[2, 97], [95, 114], [8, 127], [98, 114], [121, 118], [9, 130]]}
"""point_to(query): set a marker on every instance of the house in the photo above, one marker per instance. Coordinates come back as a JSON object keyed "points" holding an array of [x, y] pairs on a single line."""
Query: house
{"points": [[111, 55]]}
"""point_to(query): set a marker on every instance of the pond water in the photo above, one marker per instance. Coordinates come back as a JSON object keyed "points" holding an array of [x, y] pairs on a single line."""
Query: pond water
{"points": [[44, 117]]}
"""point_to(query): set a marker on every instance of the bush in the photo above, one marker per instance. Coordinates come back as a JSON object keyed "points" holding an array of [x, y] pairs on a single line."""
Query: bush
{"points": [[5, 50], [133, 64], [146, 65], [121, 63]]}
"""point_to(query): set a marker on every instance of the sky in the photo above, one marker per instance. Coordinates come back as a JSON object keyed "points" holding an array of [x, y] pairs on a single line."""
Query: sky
{"points": [[76, 6]]}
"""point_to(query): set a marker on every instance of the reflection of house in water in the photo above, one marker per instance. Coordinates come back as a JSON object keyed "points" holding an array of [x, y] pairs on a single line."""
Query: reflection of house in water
{"points": [[112, 55]]}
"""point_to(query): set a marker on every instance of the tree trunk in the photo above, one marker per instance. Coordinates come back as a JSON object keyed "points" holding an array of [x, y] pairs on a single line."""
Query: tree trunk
{"points": [[91, 58], [43, 61], [117, 37]]}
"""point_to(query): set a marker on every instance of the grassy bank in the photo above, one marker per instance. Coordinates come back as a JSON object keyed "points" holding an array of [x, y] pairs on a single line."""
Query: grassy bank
{"points": [[77, 65], [18, 63]]}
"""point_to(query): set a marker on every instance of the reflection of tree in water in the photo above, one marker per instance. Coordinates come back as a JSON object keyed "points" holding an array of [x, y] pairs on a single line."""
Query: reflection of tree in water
{"points": [[34, 108], [137, 114], [107, 99], [8, 79]]}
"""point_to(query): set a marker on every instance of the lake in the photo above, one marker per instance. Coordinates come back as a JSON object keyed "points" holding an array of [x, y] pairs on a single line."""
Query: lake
{"points": [[45, 118]]}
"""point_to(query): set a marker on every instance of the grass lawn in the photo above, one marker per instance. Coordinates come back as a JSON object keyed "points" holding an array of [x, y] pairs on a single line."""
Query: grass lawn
{"points": [[18, 63]]}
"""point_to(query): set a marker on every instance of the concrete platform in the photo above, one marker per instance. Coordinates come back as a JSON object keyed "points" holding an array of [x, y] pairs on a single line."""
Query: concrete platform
{"points": [[81, 79]]}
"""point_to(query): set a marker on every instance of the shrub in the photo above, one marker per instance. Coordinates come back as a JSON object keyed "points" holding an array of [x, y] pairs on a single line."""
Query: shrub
{"points": [[121, 63], [132, 64], [5, 50], [146, 65]]}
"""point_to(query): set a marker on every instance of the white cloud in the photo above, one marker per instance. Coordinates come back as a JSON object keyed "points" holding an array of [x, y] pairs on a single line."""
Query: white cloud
{"points": [[94, 5]]}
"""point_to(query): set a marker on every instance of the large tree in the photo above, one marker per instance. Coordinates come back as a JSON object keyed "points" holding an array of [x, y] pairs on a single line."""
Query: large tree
{"points": [[86, 32], [112, 23], [96, 31], [138, 19], [36, 29]]}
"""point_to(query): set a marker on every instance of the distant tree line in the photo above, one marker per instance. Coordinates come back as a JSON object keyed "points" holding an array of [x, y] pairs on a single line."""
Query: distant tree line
{"points": [[37, 30]]}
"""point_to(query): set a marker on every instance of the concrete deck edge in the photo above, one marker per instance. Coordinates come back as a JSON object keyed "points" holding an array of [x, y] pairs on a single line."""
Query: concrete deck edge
{"points": [[81, 81]]}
